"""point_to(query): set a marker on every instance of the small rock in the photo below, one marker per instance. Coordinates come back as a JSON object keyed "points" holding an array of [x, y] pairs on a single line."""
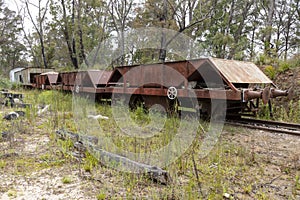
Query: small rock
{"points": [[14, 115], [42, 109], [17, 101], [21, 113], [11, 116], [226, 195], [4, 135], [97, 117]]}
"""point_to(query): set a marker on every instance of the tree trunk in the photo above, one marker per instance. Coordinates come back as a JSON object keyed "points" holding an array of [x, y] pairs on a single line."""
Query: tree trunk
{"points": [[39, 28], [70, 44], [269, 23], [237, 35], [43, 52], [82, 55]]}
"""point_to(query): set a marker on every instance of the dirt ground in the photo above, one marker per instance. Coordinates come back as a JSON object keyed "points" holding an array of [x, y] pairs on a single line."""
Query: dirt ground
{"points": [[277, 155], [33, 166]]}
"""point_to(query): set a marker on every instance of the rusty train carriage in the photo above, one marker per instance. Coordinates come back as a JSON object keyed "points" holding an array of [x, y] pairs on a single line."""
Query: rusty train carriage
{"points": [[241, 84], [47, 80]]}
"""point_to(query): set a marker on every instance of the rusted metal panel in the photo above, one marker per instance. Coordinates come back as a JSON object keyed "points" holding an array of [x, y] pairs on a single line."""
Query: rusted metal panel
{"points": [[94, 76], [68, 78], [52, 78], [154, 75], [104, 77], [240, 71], [48, 78], [40, 80]]}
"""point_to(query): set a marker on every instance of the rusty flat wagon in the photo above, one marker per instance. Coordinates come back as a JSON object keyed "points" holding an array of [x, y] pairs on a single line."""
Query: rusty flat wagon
{"points": [[47, 80], [194, 84], [241, 84]]}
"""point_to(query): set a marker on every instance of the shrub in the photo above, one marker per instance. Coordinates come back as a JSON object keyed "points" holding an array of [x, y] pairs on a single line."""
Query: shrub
{"points": [[270, 71], [5, 83], [284, 66]]}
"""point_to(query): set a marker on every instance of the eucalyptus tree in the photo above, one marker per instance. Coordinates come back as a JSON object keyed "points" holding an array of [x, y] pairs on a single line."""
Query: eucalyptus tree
{"points": [[12, 51], [190, 16], [120, 16], [267, 11], [182, 16], [39, 24], [286, 27], [82, 25]]}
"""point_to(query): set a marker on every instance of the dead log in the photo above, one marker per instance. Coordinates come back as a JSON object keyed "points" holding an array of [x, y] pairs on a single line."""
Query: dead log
{"points": [[115, 161]]}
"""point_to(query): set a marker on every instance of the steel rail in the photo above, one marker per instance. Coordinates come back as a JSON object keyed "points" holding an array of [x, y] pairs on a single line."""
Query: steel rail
{"points": [[273, 126]]}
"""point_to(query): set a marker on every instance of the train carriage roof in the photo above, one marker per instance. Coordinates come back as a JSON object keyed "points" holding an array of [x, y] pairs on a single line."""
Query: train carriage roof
{"points": [[240, 71]]}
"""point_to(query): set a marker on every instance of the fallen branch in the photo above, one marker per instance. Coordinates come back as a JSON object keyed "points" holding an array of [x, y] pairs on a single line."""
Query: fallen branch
{"points": [[113, 160]]}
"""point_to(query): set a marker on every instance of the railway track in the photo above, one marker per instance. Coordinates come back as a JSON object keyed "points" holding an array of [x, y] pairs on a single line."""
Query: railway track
{"points": [[273, 126]]}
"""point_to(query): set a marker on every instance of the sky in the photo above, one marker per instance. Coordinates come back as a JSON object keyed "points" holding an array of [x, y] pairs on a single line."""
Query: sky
{"points": [[17, 5]]}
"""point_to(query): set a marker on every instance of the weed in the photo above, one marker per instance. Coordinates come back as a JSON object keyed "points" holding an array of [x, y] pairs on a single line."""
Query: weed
{"points": [[2, 164], [297, 182], [270, 71], [101, 196], [12, 193], [90, 162], [284, 66], [5, 83], [287, 170], [248, 189], [66, 147], [140, 117], [261, 195], [66, 180]]}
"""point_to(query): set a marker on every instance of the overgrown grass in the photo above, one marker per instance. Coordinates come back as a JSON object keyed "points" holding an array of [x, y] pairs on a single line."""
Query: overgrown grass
{"points": [[226, 168], [288, 112]]}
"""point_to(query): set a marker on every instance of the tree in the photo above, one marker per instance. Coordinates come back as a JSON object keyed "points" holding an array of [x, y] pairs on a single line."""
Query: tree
{"points": [[267, 19], [190, 15], [39, 25], [12, 51], [120, 11], [289, 24], [81, 26]]}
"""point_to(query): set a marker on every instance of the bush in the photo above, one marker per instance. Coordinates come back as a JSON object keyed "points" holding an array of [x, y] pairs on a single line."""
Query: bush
{"points": [[284, 66], [5, 83], [264, 60], [270, 71]]}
